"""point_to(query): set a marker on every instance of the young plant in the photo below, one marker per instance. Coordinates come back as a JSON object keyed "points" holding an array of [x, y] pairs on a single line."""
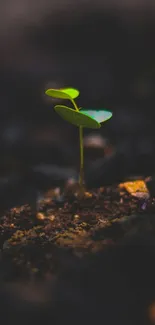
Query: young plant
{"points": [[80, 117]]}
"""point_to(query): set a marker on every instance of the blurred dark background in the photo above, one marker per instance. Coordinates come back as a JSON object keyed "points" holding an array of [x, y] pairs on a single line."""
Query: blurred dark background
{"points": [[106, 49]]}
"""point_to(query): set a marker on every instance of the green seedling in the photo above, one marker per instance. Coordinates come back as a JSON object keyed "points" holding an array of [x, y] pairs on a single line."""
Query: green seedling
{"points": [[80, 117]]}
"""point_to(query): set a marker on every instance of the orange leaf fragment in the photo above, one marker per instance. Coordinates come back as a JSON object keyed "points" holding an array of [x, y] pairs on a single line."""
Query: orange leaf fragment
{"points": [[136, 188]]}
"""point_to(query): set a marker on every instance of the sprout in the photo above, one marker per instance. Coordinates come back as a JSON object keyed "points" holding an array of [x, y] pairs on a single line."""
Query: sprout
{"points": [[80, 117]]}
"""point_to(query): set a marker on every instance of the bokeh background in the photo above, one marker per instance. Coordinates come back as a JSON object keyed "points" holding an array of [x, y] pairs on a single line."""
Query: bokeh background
{"points": [[106, 49]]}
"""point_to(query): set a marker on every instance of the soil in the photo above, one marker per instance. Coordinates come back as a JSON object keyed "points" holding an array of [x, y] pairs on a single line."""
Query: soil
{"points": [[31, 244]]}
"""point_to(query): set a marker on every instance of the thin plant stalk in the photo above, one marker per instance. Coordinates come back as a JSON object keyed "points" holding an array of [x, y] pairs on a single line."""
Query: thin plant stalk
{"points": [[74, 104], [81, 176]]}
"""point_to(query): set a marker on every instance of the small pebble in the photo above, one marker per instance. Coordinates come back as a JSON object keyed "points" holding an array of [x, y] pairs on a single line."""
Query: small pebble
{"points": [[144, 206], [40, 216], [83, 224], [88, 195], [141, 195], [51, 218]]}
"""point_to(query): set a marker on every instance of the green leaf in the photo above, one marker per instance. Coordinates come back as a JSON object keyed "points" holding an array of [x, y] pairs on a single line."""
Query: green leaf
{"points": [[99, 115], [72, 92], [65, 93], [76, 118], [57, 93]]}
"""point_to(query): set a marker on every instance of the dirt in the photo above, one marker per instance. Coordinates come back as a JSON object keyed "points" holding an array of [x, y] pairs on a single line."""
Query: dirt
{"points": [[31, 244]]}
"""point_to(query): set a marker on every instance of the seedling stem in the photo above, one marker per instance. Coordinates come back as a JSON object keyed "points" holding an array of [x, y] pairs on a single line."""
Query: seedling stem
{"points": [[81, 176], [81, 179]]}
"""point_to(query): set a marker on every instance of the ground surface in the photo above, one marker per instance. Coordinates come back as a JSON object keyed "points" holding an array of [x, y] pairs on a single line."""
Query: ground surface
{"points": [[31, 245]]}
